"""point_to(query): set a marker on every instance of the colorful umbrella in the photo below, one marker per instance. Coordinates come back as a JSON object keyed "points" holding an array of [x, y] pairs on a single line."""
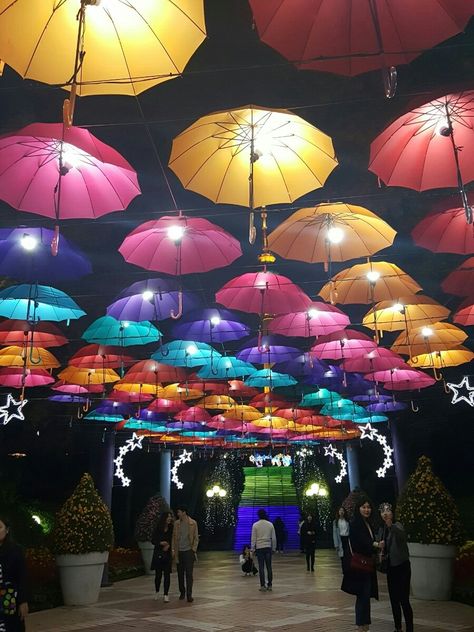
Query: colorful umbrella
{"points": [[464, 315], [319, 398], [211, 325], [446, 231], [217, 402], [406, 312], [243, 413], [37, 302], [31, 334], [435, 337], [20, 378], [396, 375], [270, 379], [208, 386], [129, 397], [319, 319], [415, 382], [137, 384], [67, 399], [267, 349], [461, 281], [176, 391], [186, 353], [38, 357], [166, 406], [386, 407], [88, 377], [110, 410], [76, 389], [302, 366], [442, 359], [345, 344], [225, 368], [375, 360], [96, 356], [296, 414], [151, 371], [238, 389], [194, 414], [122, 333]]}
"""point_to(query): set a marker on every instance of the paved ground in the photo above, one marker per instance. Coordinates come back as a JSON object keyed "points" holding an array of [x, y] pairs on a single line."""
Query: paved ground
{"points": [[225, 600]]}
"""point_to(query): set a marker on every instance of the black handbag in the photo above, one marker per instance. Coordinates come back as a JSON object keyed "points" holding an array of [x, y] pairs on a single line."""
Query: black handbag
{"points": [[382, 562]]}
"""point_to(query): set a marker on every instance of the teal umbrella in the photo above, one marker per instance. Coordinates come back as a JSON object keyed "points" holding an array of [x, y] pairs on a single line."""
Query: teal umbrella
{"points": [[267, 377], [375, 418], [34, 302], [226, 368], [344, 410], [187, 353], [321, 397], [125, 333], [139, 424]]}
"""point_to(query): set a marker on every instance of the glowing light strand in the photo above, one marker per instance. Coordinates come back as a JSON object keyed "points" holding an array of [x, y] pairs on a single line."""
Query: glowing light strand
{"points": [[130, 445], [332, 452], [455, 388], [373, 434], [13, 409], [184, 457]]}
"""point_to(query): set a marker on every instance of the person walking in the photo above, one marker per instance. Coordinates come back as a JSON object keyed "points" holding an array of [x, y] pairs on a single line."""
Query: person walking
{"points": [[308, 534], [393, 546], [340, 535], [161, 561], [280, 532], [13, 585], [360, 578], [185, 541], [263, 543]]}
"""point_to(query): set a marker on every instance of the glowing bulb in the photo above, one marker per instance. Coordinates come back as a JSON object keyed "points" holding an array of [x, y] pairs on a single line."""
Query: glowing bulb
{"points": [[268, 417], [398, 307], [263, 146], [443, 127], [335, 235], [175, 233], [209, 493], [125, 324], [215, 320], [191, 349], [71, 156], [147, 295], [427, 331], [309, 492], [228, 364], [315, 487], [36, 518], [373, 276], [322, 492], [313, 312], [222, 493], [28, 242], [216, 489]]}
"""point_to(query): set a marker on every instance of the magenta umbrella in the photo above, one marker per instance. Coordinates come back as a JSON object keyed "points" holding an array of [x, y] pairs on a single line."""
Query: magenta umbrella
{"points": [[319, 319], [401, 378], [193, 414], [461, 280], [21, 378], [344, 344], [263, 293], [379, 359], [63, 173]]}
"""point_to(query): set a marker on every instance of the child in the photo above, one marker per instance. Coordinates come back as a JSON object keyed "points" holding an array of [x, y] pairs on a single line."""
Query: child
{"points": [[246, 561]]}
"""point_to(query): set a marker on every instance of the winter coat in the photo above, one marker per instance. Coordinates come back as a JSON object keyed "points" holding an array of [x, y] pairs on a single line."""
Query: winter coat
{"points": [[162, 559], [361, 542], [308, 539], [13, 587]]}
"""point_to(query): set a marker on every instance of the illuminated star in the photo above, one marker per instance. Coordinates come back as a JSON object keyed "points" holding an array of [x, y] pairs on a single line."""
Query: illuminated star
{"points": [[12, 410], [135, 442], [368, 432], [455, 388], [330, 450]]}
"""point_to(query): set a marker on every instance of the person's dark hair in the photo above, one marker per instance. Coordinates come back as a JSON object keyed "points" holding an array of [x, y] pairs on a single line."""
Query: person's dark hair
{"points": [[182, 508], [262, 514], [336, 517], [246, 546], [162, 520], [361, 501], [8, 538]]}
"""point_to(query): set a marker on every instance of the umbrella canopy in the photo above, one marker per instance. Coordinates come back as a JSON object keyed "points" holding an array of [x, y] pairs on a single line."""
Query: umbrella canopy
{"points": [[397, 375], [123, 333], [208, 386], [263, 293], [441, 359], [225, 368], [348, 37], [376, 360], [368, 283], [76, 389], [88, 377], [405, 312], [96, 356], [152, 299], [38, 357], [415, 382], [267, 349], [243, 413], [176, 391], [435, 337], [180, 245], [166, 406], [446, 231], [24, 333], [151, 371], [344, 344], [20, 378], [237, 388], [37, 302], [386, 407], [211, 325], [320, 398], [270, 379], [129, 397], [25, 254], [303, 365], [126, 47], [193, 414], [461, 281], [331, 232], [136, 385], [110, 410], [63, 172], [217, 402], [67, 399], [319, 319], [186, 353], [464, 315]]}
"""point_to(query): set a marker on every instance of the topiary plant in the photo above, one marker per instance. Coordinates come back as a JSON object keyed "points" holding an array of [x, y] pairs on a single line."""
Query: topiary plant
{"points": [[148, 519], [83, 524], [351, 501], [427, 510]]}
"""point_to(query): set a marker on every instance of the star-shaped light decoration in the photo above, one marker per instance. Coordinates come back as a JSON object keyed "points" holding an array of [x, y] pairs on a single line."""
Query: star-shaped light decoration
{"points": [[184, 457], [368, 432], [13, 409], [130, 445], [331, 452], [455, 388], [135, 442]]}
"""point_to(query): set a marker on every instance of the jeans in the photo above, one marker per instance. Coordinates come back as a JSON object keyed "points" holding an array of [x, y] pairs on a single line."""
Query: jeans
{"points": [[398, 582], [167, 580], [185, 567], [362, 605], [264, 557]]}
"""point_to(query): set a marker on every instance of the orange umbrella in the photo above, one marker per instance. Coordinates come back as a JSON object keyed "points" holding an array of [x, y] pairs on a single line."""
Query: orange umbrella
{"points": [[217, 402], [405, 312], [84, 377], [181, 392], [276, 423], [243, 413], [35, 357], [129, 386], [429, 338], [442, 359]]}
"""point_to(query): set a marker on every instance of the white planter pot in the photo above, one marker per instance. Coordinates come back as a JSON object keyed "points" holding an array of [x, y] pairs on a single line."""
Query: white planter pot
{"points": [[80, 577], [147, 549], [432, 570]]}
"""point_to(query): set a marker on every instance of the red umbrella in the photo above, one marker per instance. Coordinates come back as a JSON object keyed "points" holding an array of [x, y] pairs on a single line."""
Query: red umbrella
{"points": [[268, 400], [461, 280], [96, 356], [151, 371], [293, 413], [421, 149], [446, 231], [194, 414], [22, 332], [129, 397], [167, 406], [206, 386], [464, 315], [319, 319], [343, 344], [263, 293], [21, 378], [376, 360], [237, 389], [406, 381]]}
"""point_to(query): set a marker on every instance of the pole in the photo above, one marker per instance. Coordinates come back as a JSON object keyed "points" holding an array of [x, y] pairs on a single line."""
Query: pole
{"points": [[352, 455], [165, 475], [104, 480], [399, 458]]}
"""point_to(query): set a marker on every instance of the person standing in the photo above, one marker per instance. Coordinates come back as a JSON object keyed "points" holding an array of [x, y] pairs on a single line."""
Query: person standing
{"points": [[13, 588], [308, 534], [263, 543], [393, 545], [362, 546], [185, 541], [340, 536], [280, 532], [161, 561]]}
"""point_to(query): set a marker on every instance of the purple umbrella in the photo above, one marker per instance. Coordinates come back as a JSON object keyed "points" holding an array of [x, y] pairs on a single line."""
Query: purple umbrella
{"points": [[25, 255], [267, 349], [374, 398], [302, 366], [151, 299], [189, 425], [67, 399], [211, 325], [386, 407]]}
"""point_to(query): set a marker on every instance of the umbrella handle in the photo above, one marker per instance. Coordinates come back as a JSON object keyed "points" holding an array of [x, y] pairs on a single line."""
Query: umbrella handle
{"points": [[414, 408], [437, 376], [447, 390], [180, 307], [390, 81], [55, 242], [79, 413], [252, 229]]}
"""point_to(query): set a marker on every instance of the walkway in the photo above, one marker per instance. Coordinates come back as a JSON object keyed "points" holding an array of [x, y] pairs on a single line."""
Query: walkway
{"points": [[225, 600]]}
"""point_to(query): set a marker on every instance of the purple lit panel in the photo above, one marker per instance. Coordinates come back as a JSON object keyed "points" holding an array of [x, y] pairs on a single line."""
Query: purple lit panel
{"points": [[246, 516]]}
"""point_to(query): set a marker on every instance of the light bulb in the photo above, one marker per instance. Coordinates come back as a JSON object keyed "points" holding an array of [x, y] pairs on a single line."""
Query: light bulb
{"points": [[215, 320], [216, 489], [373, 276], [313, 312], [427, 331], [209, 493], [147, 295], [228, 364], [222, 493], [125, 324], [443, 127], [268, 417], [175, 232], [315, 487], [71, 157], [309, 492], [191, 349], [335, 235], [28, 242], [398, 307], [322, 492]]}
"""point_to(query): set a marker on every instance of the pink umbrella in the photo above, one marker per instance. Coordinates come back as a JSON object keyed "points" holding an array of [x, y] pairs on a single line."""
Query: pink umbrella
{"points": [[239, 390], [446, 230], [76, 389], [167, 406], [268, 400], [96, 356], [464, 314], [461, 280], [319, 319], [397, 375], [343, 344], [64, 173], [263, 293], [414, 383], [129, 397], [194, 414], [376, 360], [21, 378], [223, 423]]}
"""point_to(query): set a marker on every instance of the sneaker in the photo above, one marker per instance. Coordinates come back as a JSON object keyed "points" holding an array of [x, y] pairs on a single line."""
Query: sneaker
{"points": [[182, 596], [269, 587], [262, 589], [155, 596], [166, 599]]}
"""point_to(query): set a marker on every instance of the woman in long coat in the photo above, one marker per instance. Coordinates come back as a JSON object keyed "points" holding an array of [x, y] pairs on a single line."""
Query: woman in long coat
{"points": [[162, 558], [13, 589]]}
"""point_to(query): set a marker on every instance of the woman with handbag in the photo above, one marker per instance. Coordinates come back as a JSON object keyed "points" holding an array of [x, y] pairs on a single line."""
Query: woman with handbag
{"points": [[395, 562], [13, 588], [360, 578], [161, 562]]}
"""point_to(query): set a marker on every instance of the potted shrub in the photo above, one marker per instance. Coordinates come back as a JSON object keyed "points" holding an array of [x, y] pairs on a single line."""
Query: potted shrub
{"points": [[431, 520], [82, 538], [145, 526]]}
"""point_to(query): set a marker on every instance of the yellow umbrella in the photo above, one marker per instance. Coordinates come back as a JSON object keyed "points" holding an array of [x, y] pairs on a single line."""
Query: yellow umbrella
{"points": [[252, 157], [331, 232], [84, 377], [138, 387], [441, 359], [429, 338], [217, 402], [175, 391], [405, 312], [106, 47], [243, 413], [36, 357], [277, 423], [368, 283]]}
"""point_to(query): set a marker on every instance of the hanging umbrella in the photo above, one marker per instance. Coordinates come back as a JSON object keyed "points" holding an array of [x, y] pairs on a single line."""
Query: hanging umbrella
{"points": [[166, 406], [415, 382], [442, 359], [269, 400], [109, 410], [397, 375], [96, 356], [405, 312], [237, 388], [208, 386], [270, 379], [344, 344], [319, 319], [422, 149], [122, 333], [30, 334], [67, 399], [330, 232], [464, 315], [37, 302], [133, 397], [25, 255], [386, 407], [275, 423], [194, 414], [243, 413], [152, 371], [446, 231], [176, 391], [225, 368], [76, 389], [38, 357], [302, 366], [217, 402], [295, 414], [20, 378], [368, 283], [375, 360], [435, 337], [186, 353], [461, 281], [137, 384], [88, 377], [211, 325], [252, 157], [267, 349], [319, 398], [152, 299]]}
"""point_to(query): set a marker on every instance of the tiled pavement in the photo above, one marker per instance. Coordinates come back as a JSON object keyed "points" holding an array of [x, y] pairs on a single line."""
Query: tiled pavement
{"points": [[225, 600]]}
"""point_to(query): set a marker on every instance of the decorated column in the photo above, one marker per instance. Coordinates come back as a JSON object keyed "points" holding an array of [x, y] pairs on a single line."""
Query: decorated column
{"points": [[399, 458], [165, 475], [352, 452]]}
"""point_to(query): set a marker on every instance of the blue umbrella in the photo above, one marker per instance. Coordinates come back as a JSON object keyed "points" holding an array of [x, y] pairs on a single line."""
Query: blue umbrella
{"points": [[65, 398], [187, 353], [211, 325], [388, 406], [109, 331], [25, 254], [272, 379], [34, 302], [267, 349], [226, 368], [373, 398], [110, 410], [369, 418], [302, 366]]}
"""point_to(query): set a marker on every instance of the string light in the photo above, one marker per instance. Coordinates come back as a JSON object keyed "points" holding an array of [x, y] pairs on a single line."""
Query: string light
{"points": [[13, 409], [332, 452], [216, 491], [130, 445], [455, 388], [367, 432], [184, 457]]}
